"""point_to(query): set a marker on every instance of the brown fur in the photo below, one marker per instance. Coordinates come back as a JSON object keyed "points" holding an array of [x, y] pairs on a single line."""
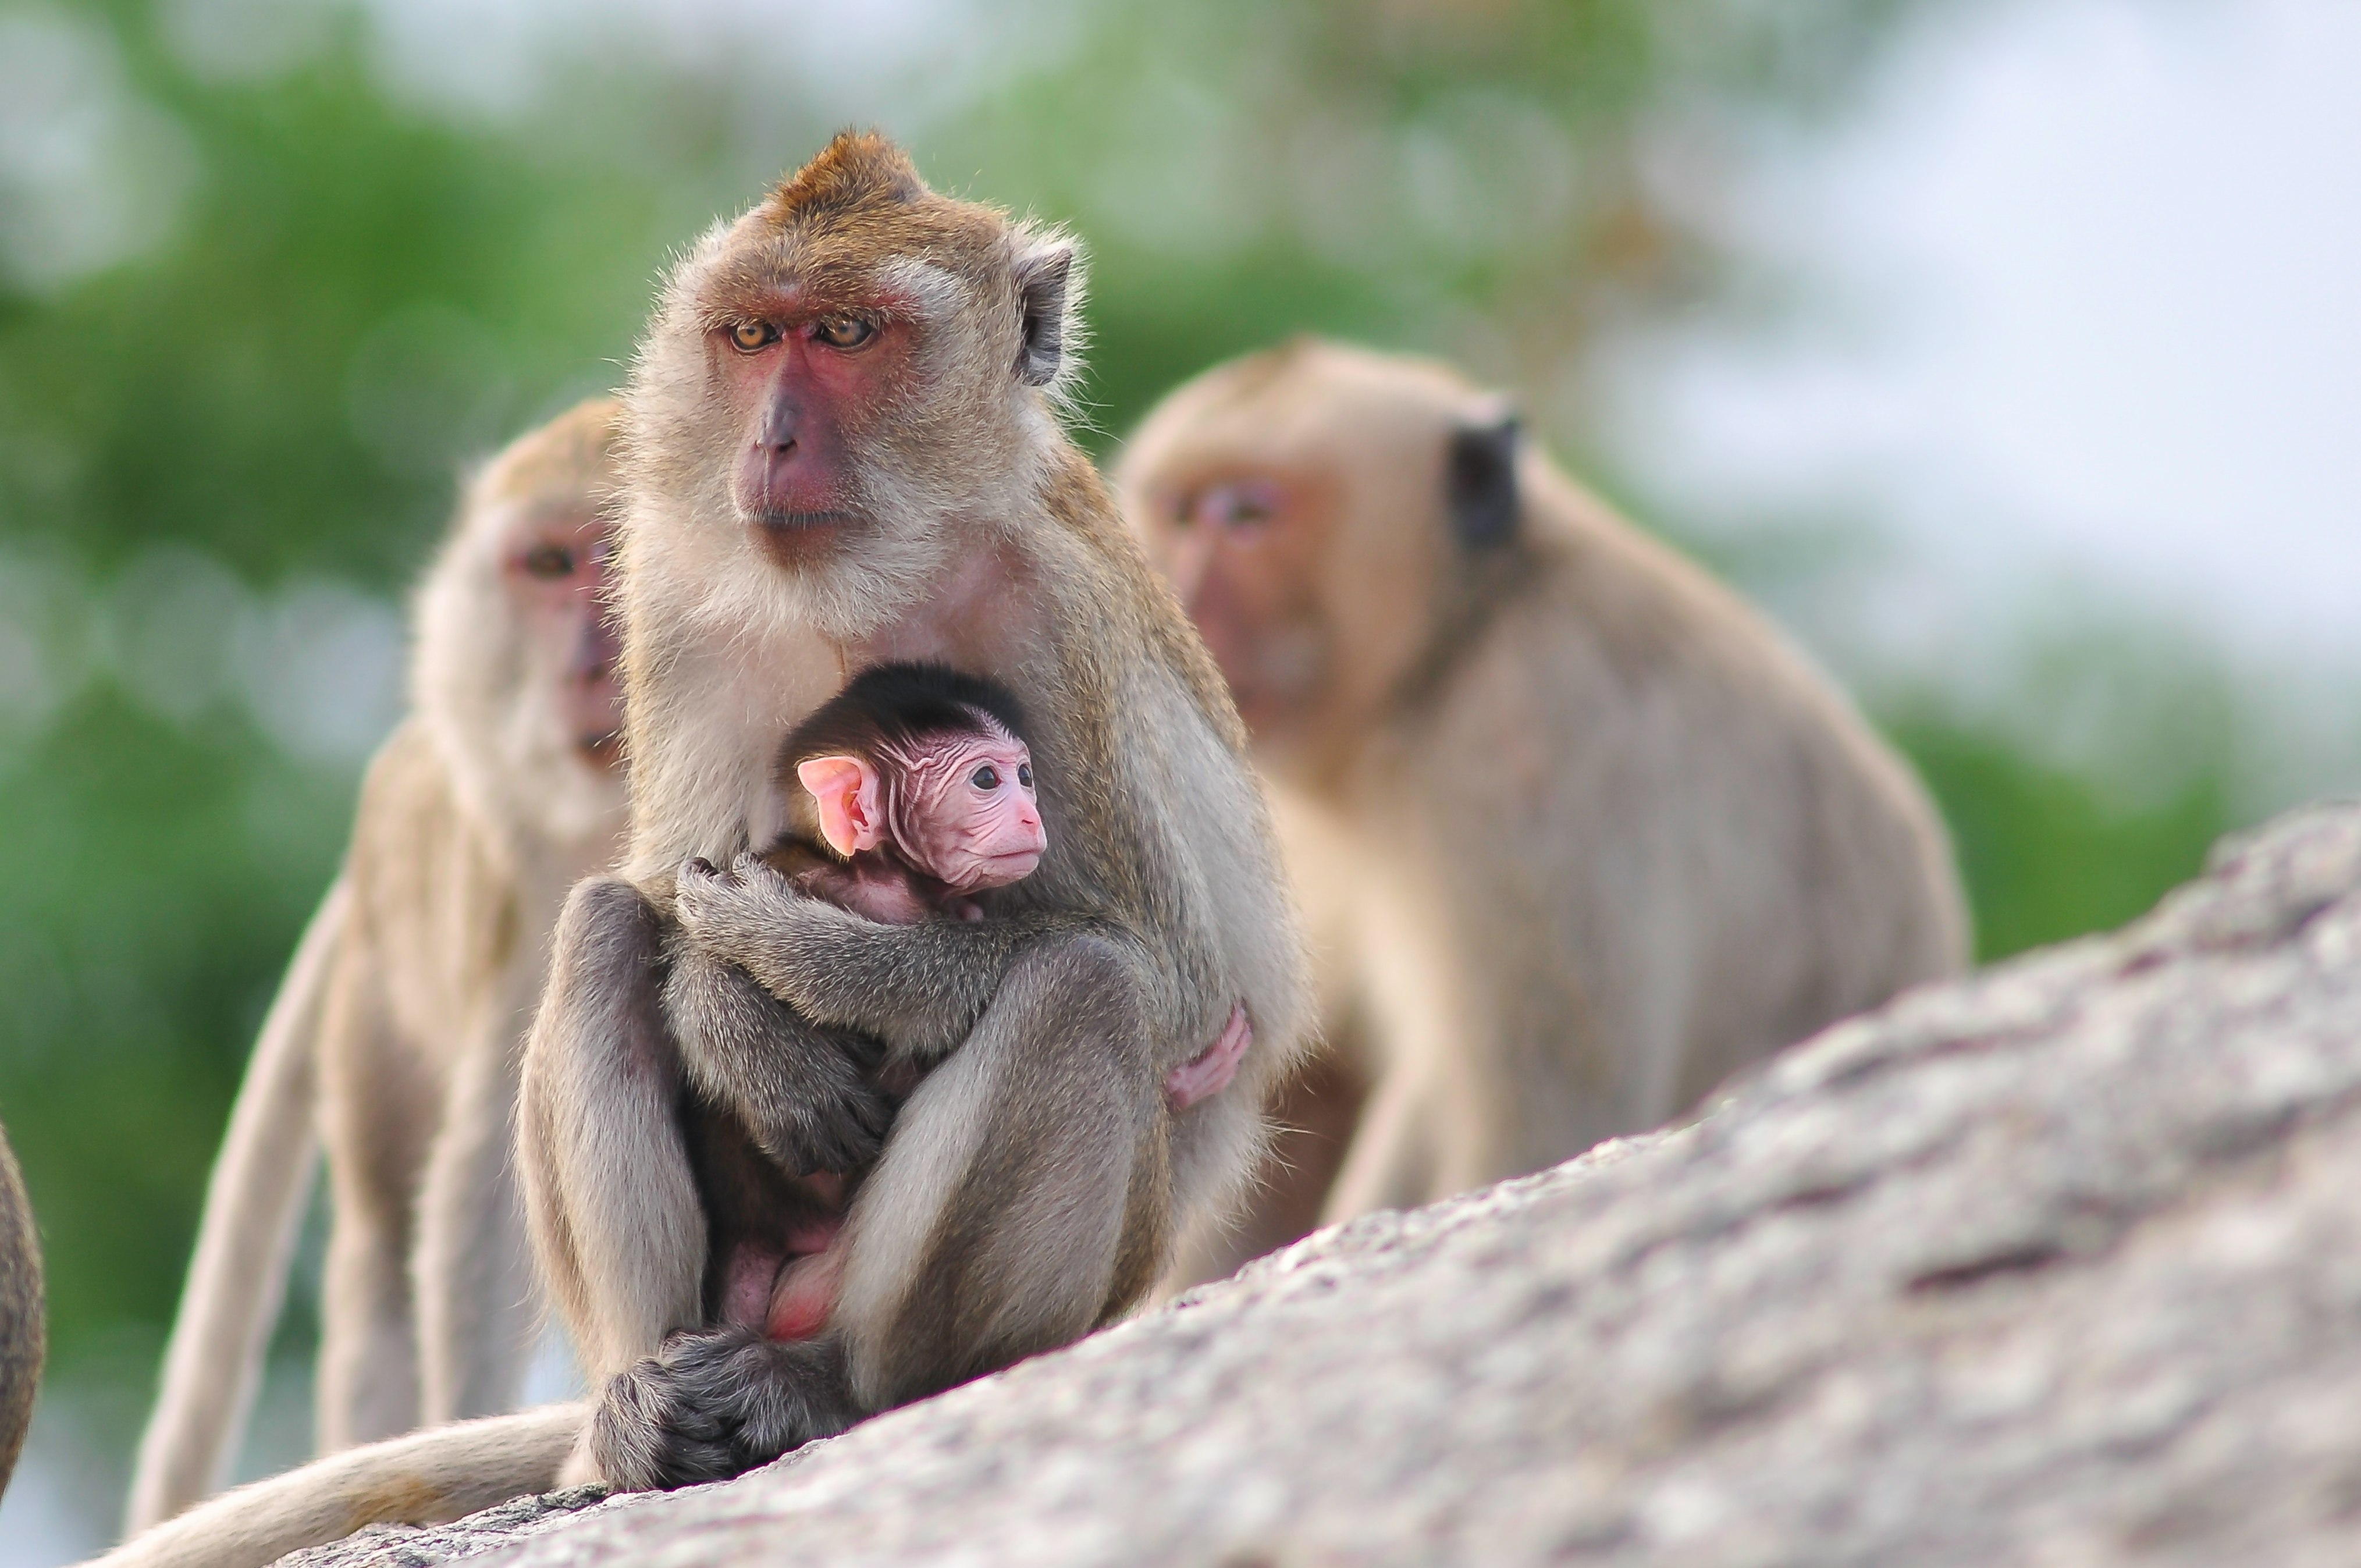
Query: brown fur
{"points": [[1033, 1181], [398, 1028], [1578, 832], [23, 1327]]}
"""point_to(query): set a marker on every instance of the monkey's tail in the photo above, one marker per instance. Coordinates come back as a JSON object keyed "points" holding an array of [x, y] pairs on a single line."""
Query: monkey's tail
{"points": [[424, 1477], [254, 1207]]}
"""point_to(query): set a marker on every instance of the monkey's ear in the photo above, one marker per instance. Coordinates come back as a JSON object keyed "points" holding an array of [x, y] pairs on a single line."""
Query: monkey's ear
{"points": [[851, 817], [1480, 481], [1045, 271]]}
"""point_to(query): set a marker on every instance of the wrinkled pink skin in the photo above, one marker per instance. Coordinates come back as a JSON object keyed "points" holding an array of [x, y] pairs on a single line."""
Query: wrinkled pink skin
{"points": [[932, 807], [968, 835], [788, 1293]]}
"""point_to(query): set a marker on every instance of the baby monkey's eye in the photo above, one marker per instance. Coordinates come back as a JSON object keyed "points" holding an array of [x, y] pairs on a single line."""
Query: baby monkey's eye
{"points": [[548, 562], [842, 332], [985, 777], [748, 337], [1025, 774]]}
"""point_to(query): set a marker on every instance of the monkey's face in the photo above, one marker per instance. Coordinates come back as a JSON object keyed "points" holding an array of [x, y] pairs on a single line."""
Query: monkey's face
{"points": [[553, 566], [1299, 501], [961, 806], [1242, 546], [966, 812], [849, 378], [803, 383]]}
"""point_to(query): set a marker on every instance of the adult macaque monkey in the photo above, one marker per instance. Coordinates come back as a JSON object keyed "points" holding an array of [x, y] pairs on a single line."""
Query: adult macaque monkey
{"points": [[400, 1027], [844, 450], [1577, 833]]}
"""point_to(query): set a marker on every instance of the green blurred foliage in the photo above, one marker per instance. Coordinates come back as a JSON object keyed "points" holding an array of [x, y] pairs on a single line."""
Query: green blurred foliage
{"points": [[355, 292], [2046, 852]]}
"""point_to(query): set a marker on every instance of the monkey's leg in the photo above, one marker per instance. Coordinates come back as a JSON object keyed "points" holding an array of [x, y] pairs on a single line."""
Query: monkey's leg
{"points": [[378, 1110], [369, 1364], [801, 1090], [1395, 1160], [1023, 1200], [1315, 1114], [254, 1209], [471, 1272], [1025, 1197], [617, 1226]]}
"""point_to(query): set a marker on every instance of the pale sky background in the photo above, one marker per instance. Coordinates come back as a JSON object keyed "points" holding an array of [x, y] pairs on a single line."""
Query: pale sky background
{"points": [[2089, 311], [2082, 324]]}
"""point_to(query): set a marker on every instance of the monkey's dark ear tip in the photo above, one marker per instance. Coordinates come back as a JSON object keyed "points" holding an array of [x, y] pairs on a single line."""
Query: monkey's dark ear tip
{"points": [[1480, 481], [1044, 278]]}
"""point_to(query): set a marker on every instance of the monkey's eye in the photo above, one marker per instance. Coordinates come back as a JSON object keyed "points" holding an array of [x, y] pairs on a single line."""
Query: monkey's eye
{"points": [[1025, 774], [1241, 506], [749, 338], [548, 562], [842, 332], [986, 777], [1237, 509]]}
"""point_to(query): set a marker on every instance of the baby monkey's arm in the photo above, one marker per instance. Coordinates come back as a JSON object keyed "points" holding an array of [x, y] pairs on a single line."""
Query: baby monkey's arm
{"points": [[918, 988]]}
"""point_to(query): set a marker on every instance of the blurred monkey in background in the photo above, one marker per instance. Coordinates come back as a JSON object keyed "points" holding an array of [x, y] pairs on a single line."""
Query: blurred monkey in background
{"points": [[1576, 832], [24, 1329], [396, 1034]]}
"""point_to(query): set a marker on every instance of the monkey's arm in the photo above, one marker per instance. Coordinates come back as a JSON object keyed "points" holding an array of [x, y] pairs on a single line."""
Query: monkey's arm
{"points": [[919, 988], [800, 1089]]}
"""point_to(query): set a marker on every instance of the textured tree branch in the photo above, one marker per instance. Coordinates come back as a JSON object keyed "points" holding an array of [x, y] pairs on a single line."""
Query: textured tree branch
{"points": [[2058, 1264]]}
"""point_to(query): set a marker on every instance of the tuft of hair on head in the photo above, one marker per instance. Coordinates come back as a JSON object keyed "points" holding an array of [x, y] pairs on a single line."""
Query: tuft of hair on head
{"points": [[856, 170]]}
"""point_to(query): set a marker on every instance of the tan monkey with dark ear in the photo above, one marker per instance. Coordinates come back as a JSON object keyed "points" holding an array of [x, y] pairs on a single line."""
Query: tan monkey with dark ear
{"points": [[844, 451], [398, 1026], [1577, 833]]}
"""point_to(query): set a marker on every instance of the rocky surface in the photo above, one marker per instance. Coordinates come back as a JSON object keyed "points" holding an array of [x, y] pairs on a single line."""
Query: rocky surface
{"points": [[2058, 1266]]}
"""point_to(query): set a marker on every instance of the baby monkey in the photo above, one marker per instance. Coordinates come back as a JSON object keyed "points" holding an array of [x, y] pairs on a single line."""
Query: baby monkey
{"points": [[922, 788], [921, 785], [912, 794]]}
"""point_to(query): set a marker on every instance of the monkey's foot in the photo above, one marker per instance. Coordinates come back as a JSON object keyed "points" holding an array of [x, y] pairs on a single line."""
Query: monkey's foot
{"points": [[1209, 1072], [713, 1404]]}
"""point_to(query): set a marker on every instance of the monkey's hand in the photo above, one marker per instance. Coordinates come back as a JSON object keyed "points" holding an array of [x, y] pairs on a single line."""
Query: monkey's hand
{"points": [[808, 1095], [920, 988], [714, 1403]]}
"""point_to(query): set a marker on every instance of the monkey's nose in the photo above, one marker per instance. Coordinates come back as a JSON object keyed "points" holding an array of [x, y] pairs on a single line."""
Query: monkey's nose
{"points": [[782, 423]]}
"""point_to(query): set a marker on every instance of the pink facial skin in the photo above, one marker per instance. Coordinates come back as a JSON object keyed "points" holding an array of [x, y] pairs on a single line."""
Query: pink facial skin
{"points": [[553, 565], [961, 807], [801, 376], [1209, 1072]]}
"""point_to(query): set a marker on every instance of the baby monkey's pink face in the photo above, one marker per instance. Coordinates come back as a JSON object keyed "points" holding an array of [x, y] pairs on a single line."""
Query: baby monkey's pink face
{"points": [[961, 807]]}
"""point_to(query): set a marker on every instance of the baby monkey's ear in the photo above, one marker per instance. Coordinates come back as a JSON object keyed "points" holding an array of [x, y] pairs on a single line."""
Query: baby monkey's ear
{"points": [[852, 815]]}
